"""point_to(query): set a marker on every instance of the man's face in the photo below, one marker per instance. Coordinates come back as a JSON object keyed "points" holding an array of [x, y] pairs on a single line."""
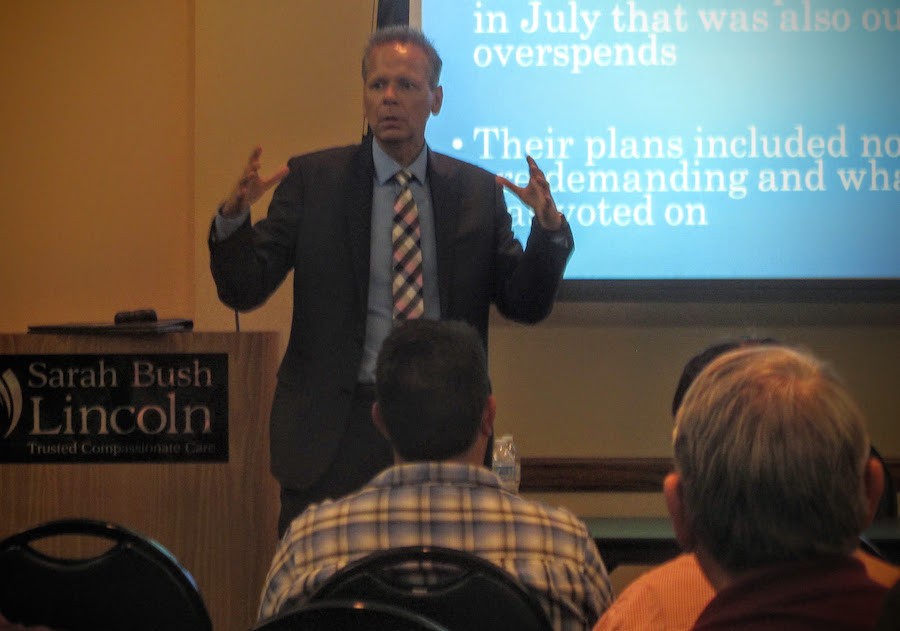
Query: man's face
{"points": [[398, 98]]}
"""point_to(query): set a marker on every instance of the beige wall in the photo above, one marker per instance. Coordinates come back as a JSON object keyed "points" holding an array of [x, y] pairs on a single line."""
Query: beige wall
{"points": [[129, 121], [598, 379], [96, 159], [281, 74]]}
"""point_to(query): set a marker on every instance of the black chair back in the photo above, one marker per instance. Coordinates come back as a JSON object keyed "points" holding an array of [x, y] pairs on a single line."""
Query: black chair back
{"points": [[348, 615], [135, 584], [459, 590]]}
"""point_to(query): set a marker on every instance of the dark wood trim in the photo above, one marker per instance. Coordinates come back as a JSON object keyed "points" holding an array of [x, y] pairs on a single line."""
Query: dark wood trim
{"points": [[608, 475], [618, 475]]}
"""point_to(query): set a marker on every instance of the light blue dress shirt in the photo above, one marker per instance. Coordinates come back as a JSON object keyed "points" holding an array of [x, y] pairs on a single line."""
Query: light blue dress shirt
{"points": [[379, 319]]}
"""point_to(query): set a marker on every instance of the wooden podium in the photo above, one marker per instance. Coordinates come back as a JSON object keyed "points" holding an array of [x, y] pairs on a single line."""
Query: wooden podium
{"points": [[218, 518]]}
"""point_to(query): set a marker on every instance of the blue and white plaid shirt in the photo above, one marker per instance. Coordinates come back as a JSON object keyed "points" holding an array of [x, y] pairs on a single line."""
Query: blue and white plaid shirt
{"points": [[455, 506]]}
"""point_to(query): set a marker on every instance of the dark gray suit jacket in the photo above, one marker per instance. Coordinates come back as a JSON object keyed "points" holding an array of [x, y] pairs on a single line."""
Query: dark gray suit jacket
{"points": [[318, 224]]}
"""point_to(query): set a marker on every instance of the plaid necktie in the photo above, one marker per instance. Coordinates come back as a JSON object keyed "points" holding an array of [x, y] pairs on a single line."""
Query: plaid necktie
{"points": [[407, 277]]}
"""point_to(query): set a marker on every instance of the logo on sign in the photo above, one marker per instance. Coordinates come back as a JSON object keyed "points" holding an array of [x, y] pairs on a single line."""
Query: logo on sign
{"points": [[11, 398], [113, 408]]}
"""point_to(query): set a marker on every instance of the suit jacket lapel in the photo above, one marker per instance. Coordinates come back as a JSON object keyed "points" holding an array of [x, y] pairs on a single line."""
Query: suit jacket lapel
{"points": [[358, 208], [445, 205]]}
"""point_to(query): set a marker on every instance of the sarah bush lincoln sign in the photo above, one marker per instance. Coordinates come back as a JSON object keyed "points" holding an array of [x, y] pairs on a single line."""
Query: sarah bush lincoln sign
{"points": [[114, 408]]}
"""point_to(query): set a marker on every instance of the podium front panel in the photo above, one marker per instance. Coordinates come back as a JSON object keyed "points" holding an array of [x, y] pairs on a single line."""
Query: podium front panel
{"points": [[216, 512]]}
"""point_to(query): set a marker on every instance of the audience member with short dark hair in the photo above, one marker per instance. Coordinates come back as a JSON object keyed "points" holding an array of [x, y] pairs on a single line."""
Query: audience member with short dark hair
{"points": [[773, 484], [434, 405], [695, 365], [671, 596]]}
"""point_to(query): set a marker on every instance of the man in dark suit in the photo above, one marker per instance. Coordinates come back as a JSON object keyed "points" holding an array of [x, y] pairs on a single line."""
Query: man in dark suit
{"points": [[330, 221]]}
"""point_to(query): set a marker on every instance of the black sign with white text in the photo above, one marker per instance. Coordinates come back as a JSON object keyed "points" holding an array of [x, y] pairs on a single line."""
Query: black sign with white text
{"points": [[114, 408]]}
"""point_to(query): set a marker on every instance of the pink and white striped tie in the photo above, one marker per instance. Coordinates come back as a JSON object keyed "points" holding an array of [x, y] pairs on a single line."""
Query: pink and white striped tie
{"points": [[405, 235]]}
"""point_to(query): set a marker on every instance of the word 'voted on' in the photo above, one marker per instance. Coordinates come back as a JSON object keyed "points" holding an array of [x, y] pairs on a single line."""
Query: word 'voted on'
{"points": [[602, 214]]}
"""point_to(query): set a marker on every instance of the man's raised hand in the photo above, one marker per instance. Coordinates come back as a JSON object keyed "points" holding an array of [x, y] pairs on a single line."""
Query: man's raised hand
{"points": [[537, 196], [250, 187]]}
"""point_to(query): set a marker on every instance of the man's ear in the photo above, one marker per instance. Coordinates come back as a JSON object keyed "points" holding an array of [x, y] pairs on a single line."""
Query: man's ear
{"points": [[874, 484], [673, 491], [488, 415], [378, 420], [437, 100]]}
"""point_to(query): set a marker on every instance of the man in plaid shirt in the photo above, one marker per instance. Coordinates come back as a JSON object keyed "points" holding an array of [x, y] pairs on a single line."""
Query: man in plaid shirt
{"points": [[433, 403]]}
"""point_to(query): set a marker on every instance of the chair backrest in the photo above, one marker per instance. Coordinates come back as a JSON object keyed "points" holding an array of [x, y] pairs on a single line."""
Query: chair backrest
{"points": [[348, 615], [459, 590], [135, 584]]}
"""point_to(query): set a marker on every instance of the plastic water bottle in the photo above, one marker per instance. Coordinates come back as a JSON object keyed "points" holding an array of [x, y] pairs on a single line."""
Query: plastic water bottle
{"points": [[506, 462]]}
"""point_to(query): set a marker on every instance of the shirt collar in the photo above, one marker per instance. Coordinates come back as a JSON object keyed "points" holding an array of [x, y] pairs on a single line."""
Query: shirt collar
{"points": [[412, 473], [386, 167]]}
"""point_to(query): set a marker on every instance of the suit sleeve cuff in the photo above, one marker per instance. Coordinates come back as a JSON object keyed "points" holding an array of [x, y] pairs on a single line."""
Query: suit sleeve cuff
{"points": [[224, 227]]}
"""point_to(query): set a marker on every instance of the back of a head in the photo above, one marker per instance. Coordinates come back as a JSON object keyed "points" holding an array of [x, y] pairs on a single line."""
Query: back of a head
{"points": [[701, 360], [432, 386], [771, 450]]}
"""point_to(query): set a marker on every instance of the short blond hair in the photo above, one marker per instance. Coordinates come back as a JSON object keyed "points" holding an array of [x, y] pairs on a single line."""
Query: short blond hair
{"points": [[772, 450]]}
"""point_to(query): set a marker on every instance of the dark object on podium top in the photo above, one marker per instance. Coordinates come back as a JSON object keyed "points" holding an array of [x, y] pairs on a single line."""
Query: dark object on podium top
{"points": [[140, 322], [136, 584], [141, 315]]}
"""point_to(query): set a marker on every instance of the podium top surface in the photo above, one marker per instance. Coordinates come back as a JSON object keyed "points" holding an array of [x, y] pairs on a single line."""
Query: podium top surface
{"points": [[109, 328]]}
